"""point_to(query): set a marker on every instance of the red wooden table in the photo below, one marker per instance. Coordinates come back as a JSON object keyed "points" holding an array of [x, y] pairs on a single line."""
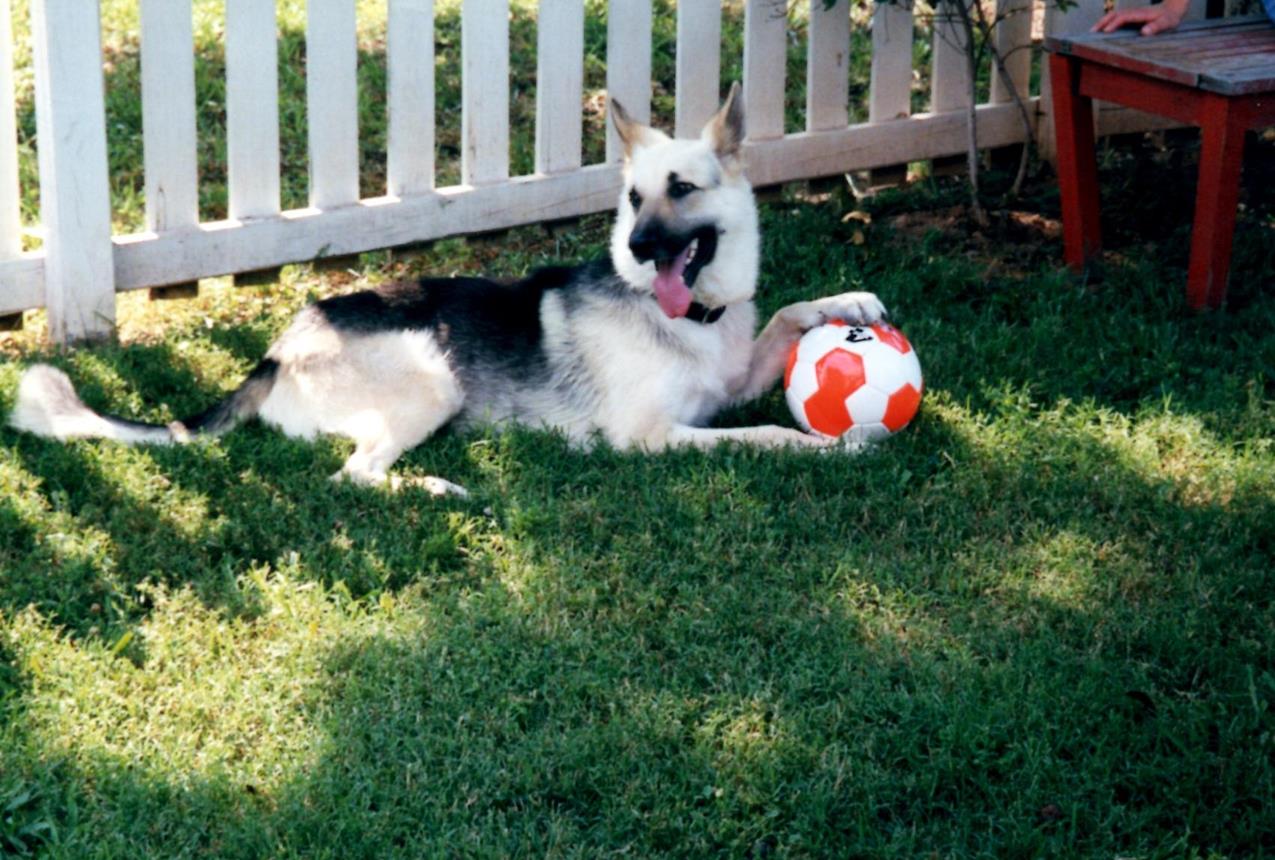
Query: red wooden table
{"points": [[1219, 75]]}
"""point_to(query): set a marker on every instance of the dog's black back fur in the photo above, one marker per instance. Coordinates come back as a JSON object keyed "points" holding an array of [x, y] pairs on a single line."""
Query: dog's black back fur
{"points": [[490, 330]]}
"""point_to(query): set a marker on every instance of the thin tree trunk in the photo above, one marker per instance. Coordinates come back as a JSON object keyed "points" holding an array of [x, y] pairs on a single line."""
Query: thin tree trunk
{"points": [[971, 64]]}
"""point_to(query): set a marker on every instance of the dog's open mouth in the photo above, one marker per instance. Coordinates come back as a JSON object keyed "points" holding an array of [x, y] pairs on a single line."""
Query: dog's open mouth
{"points": [[675, 276]]}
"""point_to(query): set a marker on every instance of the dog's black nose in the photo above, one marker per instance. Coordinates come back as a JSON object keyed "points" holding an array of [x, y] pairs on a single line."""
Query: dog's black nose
{"points": [[653, 241]]}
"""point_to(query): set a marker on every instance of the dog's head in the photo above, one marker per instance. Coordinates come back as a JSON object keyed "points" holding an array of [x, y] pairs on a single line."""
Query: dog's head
{"points": [[686, 229]]}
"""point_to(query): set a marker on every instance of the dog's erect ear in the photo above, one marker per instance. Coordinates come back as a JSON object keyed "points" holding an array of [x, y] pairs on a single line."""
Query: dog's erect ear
{"points": [[725, 131], [633, 134]]}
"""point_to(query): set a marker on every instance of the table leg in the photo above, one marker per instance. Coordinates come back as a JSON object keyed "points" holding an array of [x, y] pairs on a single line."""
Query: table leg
{"points": [[1216, 198], [1077, 164]]}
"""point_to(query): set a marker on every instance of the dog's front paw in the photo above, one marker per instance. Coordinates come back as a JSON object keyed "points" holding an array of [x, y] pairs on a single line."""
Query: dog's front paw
{"points": [[853, 308]]}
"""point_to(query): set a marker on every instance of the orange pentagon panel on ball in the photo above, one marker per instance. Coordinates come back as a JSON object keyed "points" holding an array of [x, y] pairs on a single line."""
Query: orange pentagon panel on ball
{"points": [[840, 374], [792, 362], [901, 408], [891, 336]]}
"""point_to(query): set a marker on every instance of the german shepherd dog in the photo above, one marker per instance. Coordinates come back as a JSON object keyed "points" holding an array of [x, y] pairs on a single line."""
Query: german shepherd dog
{"points": [[641, 350]]}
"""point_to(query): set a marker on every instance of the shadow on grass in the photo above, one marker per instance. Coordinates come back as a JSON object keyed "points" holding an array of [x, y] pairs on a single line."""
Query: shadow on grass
{"points": [[1016, 645]]}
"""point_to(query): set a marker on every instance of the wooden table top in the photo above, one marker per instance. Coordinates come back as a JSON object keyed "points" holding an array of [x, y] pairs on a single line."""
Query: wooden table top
{"points": [[1232, 56]]}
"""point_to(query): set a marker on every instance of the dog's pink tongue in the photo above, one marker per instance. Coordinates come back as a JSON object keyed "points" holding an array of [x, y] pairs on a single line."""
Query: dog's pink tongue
{"points": [[670, 290]]}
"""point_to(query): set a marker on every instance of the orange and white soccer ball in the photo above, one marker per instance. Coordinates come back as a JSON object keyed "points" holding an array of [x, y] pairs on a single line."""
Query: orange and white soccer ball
{"points": [[841, 377]]}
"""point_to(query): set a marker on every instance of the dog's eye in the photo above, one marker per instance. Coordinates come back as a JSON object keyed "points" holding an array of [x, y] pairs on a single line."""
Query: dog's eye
{"points": [[678, 190], [635, 199]]}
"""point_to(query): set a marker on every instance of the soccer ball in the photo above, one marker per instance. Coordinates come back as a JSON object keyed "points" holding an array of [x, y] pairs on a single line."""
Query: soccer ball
{"points": [[841, 377]]}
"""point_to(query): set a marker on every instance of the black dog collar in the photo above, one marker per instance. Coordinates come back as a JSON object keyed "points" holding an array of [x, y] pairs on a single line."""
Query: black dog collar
{"points": [[700, 314]]}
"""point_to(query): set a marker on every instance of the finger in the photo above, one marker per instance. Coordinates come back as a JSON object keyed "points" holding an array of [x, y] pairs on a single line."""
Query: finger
{"points": [[1102, 22], [1129, 16], [1157, 25], [1114, 21]]}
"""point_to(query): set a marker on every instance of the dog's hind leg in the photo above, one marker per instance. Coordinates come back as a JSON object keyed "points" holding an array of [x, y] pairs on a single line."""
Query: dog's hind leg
{"points": [[382, 433], [387, 391], [383, 442]]}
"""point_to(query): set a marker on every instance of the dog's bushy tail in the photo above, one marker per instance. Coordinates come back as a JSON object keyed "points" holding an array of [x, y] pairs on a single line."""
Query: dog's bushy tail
{"points": [[48, 406]]}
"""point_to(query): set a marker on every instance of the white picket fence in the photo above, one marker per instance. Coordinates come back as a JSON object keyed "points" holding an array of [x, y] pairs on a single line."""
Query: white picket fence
{"points": [[81, 265]]}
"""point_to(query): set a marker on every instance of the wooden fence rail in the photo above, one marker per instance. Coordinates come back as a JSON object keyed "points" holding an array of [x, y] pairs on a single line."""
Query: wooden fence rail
{"points": [[81, 266]]}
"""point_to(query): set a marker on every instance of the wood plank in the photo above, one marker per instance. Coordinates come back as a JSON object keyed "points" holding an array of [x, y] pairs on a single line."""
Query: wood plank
{"points": [[699, 61], [168, 115], [628, 64], [949, 74], [1013, 41], [221, 247], [332, 102], [1239, 82], [890, 90], [22, 283], [484, 91], [252, 108], [75, 202], [559, 85], [10, 191], [1259, 47], [1251, 40], [1206, 59], [765, 67], [865, 146], [218, 248], [168, 124], [1185, 61], [827, 67], [1129, 38], [1135, 90], [410, 60], [1173, 74], [1077, 164]]}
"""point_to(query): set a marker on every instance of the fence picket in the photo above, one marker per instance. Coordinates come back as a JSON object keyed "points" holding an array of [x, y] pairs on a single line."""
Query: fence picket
{"points": [[81, 265], [827, 66], [168, 115], [410, 60], [1074, 19], [75, 202], [765, 54], [628, 64], [1013, 42], [10, 192], [252, 108], [484, 91], [890, 93], [950, 77], [332, 102], [559, 85], [699, 61]]}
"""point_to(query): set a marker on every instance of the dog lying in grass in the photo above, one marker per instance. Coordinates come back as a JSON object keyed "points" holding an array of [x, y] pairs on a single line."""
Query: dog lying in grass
{"points": [[642, 349]]}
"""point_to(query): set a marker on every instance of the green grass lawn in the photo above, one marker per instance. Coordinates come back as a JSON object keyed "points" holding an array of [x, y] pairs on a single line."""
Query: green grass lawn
{"points": [[1037, 623]]}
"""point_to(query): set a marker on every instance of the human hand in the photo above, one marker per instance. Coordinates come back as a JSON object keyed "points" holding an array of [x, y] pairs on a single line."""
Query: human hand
{"points": [[1154, 19]]}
